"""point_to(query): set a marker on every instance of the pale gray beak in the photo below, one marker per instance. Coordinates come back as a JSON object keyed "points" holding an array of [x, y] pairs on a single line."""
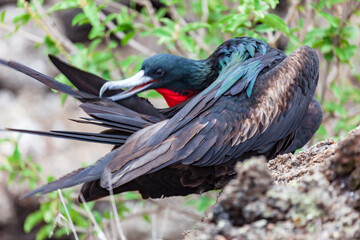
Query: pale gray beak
{"points": [[137, 83]]}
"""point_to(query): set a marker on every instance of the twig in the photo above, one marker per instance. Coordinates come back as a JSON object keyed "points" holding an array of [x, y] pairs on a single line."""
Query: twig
{"points": [[290, 13], [116, 215], [115, 7], [325, 79], [350, 8], [204, 17], [53, 29], [68, 215], [150, 9], [22, 33], [58, 39], [174, 13], [307, 22], [120, 35], [164, 225], [98, 230]]}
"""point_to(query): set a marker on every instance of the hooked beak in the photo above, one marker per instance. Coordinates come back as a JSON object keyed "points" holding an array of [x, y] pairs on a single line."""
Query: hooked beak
{"points": [[137, 83]]}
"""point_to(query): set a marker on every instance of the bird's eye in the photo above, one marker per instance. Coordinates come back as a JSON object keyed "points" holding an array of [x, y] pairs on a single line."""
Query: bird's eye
{"points": [[159, 72]]}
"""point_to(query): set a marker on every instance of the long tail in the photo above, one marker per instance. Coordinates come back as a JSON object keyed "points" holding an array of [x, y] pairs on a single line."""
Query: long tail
{"points": [[48, 81]]}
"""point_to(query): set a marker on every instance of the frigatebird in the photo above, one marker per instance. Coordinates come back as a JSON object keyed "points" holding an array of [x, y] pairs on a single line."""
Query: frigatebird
{"points": [[246, 99]]}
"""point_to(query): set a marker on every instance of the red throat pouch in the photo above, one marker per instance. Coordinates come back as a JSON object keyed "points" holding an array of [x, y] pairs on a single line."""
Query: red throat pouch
{"points": [[173, 98]]}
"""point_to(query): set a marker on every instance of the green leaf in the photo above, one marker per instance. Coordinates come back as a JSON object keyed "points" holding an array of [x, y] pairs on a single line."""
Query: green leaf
{"points": [[2, 16], [61, 232], [187, 43], [329, 3], [96, 32], [44, 232], [127, 37], [162, 32], [194, 26], [63, 6], [345, 53], [80, 19], [132, 196], [32, 220], [272, 3], [326, 48], [336, 90], [22, 19], [6, 166], [263, 28], [94, 44], [112, 44], [110, 17], [323, 132], [202, 202], [276, 22], [91, 13], [330, 18], [12, 177], [147, 218], [150, 94]]}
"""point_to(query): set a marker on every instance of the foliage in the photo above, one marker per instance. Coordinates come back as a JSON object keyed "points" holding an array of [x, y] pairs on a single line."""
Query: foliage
{"points": [[327, 26]]}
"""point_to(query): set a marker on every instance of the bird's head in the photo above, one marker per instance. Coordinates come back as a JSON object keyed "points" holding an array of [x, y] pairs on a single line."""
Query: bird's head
{"points": [[176, 78]]}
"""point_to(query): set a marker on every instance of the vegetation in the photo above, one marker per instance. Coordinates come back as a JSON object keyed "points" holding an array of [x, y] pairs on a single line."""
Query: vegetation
{"points": [[192, 29]]}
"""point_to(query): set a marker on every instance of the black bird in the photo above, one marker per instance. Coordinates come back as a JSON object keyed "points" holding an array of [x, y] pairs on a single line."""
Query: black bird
{"points": [[251, 100]]}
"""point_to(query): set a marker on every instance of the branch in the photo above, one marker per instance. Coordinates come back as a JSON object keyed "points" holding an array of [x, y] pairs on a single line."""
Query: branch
{"points": [[204, 17], [150, 9], [27, 35], [174, 14], [308, 20], [59, 40], [287, 19], [325, 80], [115, 7], [72, 226]]}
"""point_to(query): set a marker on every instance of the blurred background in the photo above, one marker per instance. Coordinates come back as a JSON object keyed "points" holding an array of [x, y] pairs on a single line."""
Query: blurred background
{"points": [[111, 39]]}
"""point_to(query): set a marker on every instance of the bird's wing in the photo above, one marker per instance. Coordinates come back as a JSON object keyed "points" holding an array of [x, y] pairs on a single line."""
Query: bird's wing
{"points": [[83, 81], [213, 129], [309, 125]]}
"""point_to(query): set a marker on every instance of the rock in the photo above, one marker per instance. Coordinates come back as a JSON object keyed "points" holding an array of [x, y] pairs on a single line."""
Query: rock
{"points": [[314, 194]]}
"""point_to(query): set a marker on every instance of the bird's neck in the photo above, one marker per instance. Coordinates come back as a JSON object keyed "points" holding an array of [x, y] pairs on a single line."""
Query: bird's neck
{"points": [[203, 73], [197, 75]]}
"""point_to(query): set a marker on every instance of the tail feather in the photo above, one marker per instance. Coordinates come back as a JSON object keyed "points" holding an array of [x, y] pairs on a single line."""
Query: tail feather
{"points": [[80, 136], [48, 81], [97, 122], [110, 124], [83, 81]]}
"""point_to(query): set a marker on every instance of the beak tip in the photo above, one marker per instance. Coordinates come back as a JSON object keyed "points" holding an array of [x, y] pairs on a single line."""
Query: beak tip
{"points": [[103, 90]]}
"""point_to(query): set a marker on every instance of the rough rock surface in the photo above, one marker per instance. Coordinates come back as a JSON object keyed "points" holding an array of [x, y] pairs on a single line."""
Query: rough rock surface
{"points": [[314, 194]]}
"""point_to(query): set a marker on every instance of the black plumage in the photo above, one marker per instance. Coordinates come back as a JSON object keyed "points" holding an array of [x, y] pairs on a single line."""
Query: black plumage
{"points": [[253, 100]]}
